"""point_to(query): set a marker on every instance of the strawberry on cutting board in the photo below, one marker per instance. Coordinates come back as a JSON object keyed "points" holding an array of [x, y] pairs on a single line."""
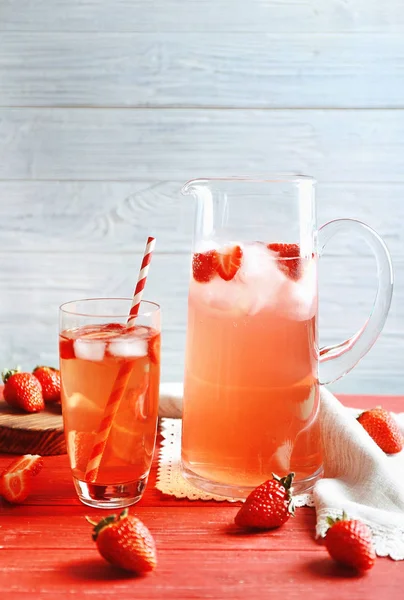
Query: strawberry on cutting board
{"points": [[22, 391], [154, 347], [349, 542], [125, 542], [268, 506], [16, 479], [49, 378], [383, 429]]}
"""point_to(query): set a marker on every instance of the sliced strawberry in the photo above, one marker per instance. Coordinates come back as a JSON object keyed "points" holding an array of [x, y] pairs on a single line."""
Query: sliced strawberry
{"points": [[102, 332], [15, 488], [80, 444], [228, 261], [203, 266], [66, 348], [31, 463], [15, 481], [291, 266], [154, 348], [114, 327]]}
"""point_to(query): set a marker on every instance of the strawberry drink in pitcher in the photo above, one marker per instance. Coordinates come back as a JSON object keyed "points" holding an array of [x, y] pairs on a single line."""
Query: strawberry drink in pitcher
{"points": [[251, 389]]}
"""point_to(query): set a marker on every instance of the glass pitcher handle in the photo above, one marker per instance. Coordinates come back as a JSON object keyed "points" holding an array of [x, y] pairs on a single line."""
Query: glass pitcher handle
{"points": [[336, 361]]}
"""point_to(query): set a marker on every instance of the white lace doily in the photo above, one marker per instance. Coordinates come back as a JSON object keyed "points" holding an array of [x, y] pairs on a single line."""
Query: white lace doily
{"points": [[169, 478]]}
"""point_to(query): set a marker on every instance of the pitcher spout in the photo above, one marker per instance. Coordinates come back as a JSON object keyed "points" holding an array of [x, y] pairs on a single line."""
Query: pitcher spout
{"points": [[194, 187]]}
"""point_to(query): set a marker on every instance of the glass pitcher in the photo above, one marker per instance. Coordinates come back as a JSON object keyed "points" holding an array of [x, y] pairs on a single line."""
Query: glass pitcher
{"points": [[253, 366]]}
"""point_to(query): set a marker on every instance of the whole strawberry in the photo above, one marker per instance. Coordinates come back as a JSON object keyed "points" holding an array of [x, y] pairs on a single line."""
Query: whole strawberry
{"points": [[23, 391], [383, 429], [49, 378], [349, 542], [125, 542], [268, 506]]}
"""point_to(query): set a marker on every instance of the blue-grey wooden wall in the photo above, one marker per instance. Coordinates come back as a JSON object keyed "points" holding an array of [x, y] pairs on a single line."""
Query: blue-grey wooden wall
{"points": [[106, 107]]}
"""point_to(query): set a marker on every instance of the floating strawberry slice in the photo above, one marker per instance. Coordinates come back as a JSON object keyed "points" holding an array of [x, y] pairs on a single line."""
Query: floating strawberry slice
{"points": [[291, 266], [15, 481], [203, 266], [154, 348], [66, 348], [228, 261], [114, 327], [80, 444]]}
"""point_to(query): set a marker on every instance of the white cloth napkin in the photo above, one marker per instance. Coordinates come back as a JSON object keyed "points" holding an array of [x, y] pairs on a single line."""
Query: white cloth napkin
{"points": [[359, 478]]}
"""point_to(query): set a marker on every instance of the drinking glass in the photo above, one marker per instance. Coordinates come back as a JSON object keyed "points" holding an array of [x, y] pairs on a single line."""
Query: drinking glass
{"points": [[253, 366], [110, 389]]}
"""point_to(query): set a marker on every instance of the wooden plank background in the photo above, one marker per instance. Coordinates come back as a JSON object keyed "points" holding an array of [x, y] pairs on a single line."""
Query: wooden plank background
{"points": [[107, 108]]}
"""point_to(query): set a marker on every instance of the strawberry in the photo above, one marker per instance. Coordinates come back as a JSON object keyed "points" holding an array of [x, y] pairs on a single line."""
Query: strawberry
{"points": [[228, 261], [268, 506], [203, 266], [116, 328], [66, 348], [125, 542], [80, 444], [22, 390], [154, 348], [349, 542], [15, 481], [291, 264], [383, 429], [49, 378]]}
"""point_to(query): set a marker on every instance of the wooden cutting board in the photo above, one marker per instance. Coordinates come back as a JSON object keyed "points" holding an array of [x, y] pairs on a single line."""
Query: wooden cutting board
{"points": [[36, 433]]}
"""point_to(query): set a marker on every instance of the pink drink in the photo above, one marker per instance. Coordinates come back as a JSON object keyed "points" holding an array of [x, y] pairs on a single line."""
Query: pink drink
{"points": [[90, 360], [251, 392]]}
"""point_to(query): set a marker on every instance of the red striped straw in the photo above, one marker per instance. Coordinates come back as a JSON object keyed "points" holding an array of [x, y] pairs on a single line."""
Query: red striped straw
{"points": [[123, 376]]}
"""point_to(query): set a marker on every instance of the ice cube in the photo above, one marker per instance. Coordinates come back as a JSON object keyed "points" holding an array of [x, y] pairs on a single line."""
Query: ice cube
{"points": [[254, 261], [254, 286], [282, 456], [218, 294], [86, 350], [304, 410], [261, 277], [134, 348], [206, 245], [78, 400], [301, 295]]}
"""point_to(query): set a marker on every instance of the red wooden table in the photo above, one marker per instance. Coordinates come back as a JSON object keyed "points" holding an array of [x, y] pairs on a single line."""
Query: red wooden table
{"points": [[46, 550]]}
